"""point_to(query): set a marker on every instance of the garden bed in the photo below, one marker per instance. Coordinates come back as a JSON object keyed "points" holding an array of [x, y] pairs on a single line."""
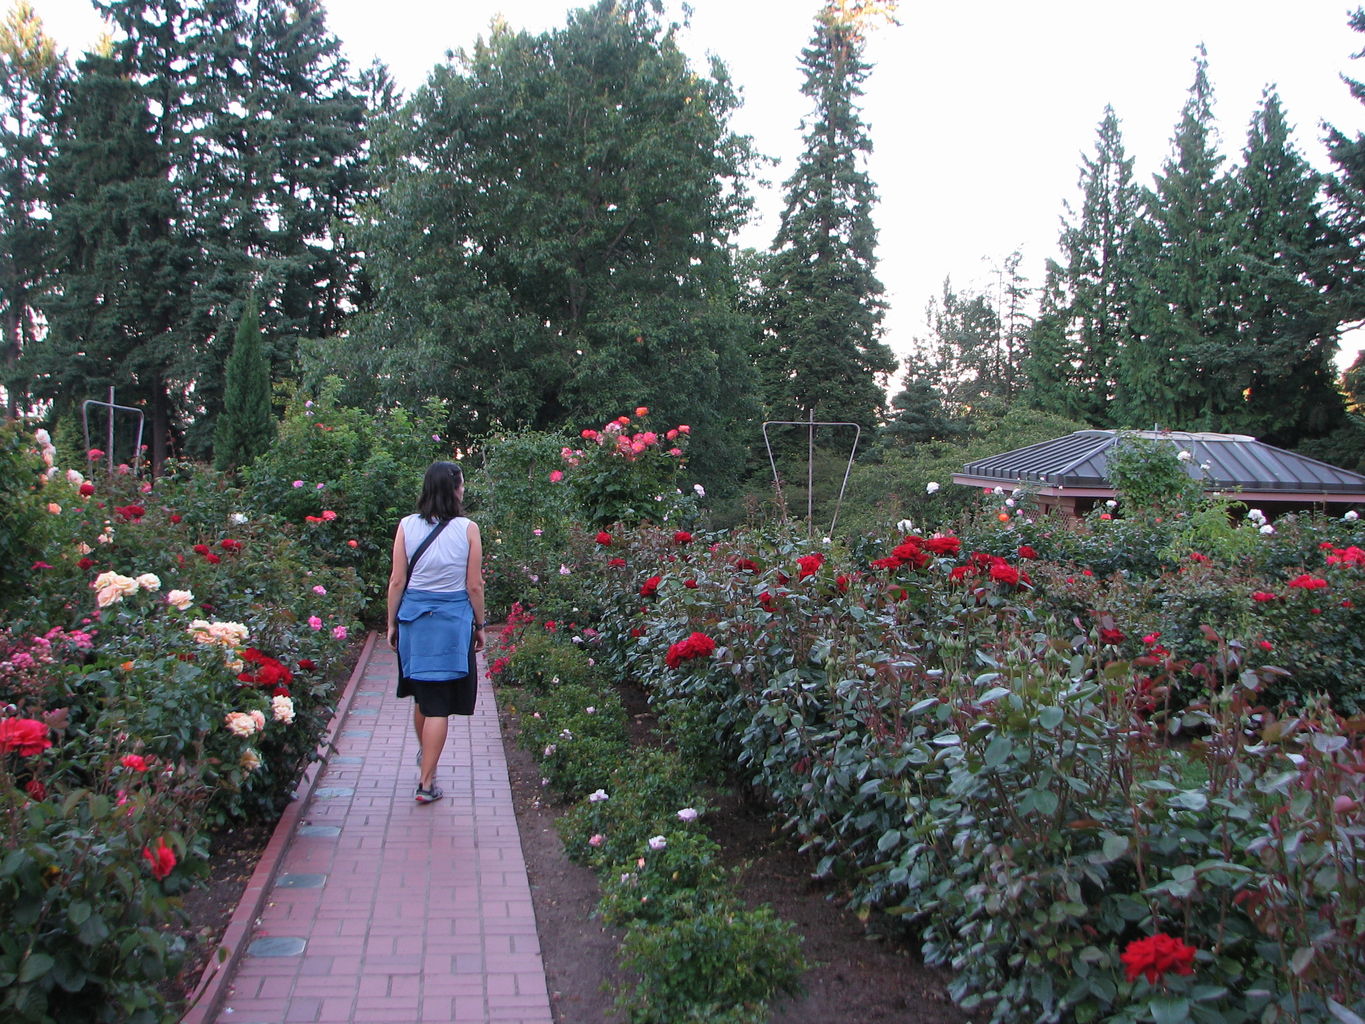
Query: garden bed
{"points": [[851, 965]]}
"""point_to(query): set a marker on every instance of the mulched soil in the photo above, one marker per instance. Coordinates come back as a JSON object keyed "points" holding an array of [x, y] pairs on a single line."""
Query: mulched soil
{"points": [[854, 974]]}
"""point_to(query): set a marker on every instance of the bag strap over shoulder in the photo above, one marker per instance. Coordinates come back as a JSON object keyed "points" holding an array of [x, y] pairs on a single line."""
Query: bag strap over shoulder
{"points": [[421, 548]]}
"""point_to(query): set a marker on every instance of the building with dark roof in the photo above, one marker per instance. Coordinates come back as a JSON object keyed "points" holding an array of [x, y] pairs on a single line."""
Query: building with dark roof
{"points": [[1071, 473]]}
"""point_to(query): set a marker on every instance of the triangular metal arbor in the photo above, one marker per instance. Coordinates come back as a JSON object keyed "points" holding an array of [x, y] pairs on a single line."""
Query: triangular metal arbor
{"points": [[810, 426]]}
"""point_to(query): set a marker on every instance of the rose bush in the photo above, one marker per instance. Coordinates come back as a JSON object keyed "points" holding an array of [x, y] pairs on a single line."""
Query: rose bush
{"points": [[1035, 764], [159, 676]]}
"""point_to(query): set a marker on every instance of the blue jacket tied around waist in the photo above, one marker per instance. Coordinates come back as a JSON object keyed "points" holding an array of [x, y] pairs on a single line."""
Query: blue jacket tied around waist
{"points": [[435, 629]]}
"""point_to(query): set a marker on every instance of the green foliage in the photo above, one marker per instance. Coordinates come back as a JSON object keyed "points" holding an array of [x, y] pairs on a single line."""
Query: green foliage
{"points": [[176, 183], [644, 792], [1087, 297], [340, 475], [894, 486], [21, 512], [536, 268], [87, 939], [246, 425], [979, 742], [708, 966], [680, 880], [578, 733], [1150, 477], [821, 355], [156, 715]]}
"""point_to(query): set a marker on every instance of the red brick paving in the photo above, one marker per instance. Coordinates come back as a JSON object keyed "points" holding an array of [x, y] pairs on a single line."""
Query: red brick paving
{"points": [[425, 912]]}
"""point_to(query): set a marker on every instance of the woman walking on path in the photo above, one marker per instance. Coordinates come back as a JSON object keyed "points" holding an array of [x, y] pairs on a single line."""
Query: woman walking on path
{"points": [[436, 614]]}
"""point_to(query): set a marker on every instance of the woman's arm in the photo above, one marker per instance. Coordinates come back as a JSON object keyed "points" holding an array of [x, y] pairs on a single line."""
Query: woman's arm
{"points": [[473, 582], [398, 579]]}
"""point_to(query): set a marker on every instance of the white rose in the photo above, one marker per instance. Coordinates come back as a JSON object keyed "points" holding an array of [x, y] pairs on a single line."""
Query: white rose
{"points": [[931, 487], [283, 709], [181, 599], [149, 581]]}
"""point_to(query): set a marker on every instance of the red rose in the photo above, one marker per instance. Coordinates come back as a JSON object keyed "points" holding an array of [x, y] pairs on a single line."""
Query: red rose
{"points": [[134, 762], [960, 572], [810, 564], [943, 545], [161, 860], [1002, 572], [690, 584], [201, 549], [85, 563], [307, 664], [841, 581], [745, 565], [698, 645], [604, 538], [682, 537], [174, 518], [1027, 552], [1304, 581], [1111, 636], [228, 544], [87, 489], [35, 789], [889, 562], [1262, 597], [23, 736], [1158, 955], [650, 586]]}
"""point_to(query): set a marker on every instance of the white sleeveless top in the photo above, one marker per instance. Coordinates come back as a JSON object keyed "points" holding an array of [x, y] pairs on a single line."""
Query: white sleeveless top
{"points": [[444, 565]]}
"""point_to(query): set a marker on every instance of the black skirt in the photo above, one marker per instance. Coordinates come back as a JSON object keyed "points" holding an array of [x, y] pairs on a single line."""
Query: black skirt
{"points": [[446, 698]]}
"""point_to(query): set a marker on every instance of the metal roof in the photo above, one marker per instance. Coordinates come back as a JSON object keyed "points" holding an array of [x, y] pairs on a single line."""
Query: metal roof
{"points": [[1222, 462]]}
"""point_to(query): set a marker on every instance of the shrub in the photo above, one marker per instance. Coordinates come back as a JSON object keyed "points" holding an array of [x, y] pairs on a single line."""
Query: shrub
{"points": [[710, 964], [683, 879]]}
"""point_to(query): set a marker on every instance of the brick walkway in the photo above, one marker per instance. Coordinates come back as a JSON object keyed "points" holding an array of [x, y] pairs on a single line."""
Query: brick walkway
{"points": [[370, 907]]}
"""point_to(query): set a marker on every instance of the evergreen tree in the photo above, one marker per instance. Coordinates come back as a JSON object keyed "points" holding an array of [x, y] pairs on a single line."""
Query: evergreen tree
{"points": [[31, 75], [1287, 310], [1182, 369], [822, 355], [918, 414], [961, 358], [247, 424], [1346, 189], [1084, 313], [274, 173], [551, 245], [115, 311]]}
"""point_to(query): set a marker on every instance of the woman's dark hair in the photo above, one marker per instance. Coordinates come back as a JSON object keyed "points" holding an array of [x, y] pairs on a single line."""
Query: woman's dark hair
{"points": [[440, 492]]}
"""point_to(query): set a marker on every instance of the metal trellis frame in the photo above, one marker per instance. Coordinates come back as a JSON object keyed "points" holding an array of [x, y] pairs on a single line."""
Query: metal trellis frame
{"points": [[109, 444], [810, 425]]}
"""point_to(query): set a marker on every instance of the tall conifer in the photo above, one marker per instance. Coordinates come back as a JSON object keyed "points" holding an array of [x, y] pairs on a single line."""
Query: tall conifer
{"points": [[31, 75], [1286, 300], [246, 426], [822, 353], [1083, 322], [1182, 369]]}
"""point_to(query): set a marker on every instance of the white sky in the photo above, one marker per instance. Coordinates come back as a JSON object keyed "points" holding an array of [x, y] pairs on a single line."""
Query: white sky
{"points": [[980, 110]]}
